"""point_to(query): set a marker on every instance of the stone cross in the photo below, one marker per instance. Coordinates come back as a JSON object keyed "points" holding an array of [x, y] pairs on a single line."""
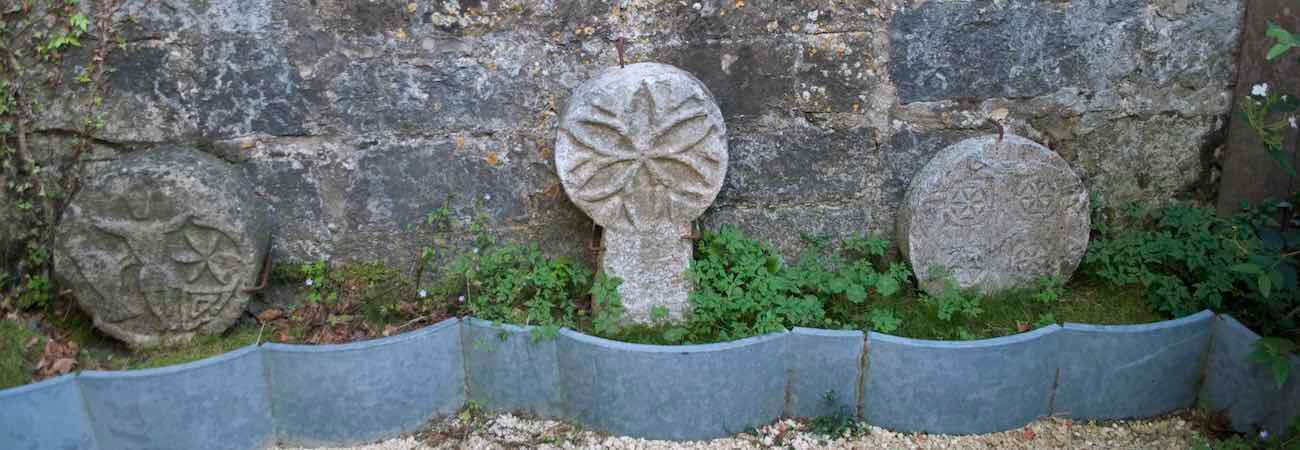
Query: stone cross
{"points": [[994, 214], [643, 150]]}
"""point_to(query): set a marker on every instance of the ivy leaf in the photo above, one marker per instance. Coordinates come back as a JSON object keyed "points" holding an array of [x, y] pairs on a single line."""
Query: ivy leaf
{"points": [[1245, 268], [856, 293], [887, 286], [1265, 284]]}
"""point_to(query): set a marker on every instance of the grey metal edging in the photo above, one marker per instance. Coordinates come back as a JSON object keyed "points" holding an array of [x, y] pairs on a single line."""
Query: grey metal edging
{"points": [[510, 370], [1127, 371], [47, 414], [824, 370], [682, 392], [1244, 390], [214, 403], [365, 391], [964, 387]]}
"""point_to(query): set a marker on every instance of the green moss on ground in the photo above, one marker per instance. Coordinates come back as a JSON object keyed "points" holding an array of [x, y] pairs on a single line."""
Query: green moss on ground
{"points": [[16, 359], [201, 347]]}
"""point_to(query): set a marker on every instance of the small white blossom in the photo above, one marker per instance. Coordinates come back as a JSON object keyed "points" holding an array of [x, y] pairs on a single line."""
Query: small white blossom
{"points": [[461, 299], [1259, 90], [487, 197], [423, 293], [1291, 120], [697, 6], [476, 250], [1263, 434], [309, 282]]}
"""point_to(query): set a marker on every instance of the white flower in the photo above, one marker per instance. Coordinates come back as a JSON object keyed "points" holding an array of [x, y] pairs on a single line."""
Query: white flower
{"points": [[1259, 90], [462, 299], [697, 6], [309, 282], [475, 250], [1263, 434], [423, 293], [487, 197], [1291, 120]]}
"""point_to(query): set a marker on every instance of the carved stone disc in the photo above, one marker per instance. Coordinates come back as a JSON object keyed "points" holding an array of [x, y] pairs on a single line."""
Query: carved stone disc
{"points": [[159, 246], [994, 216], [641, 146], [643, 150]]}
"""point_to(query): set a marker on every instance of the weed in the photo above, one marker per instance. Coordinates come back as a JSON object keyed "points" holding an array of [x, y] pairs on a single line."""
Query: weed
{"points": [[837, 424]]}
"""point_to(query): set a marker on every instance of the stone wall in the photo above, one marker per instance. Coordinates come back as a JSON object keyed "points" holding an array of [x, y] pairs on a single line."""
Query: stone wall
{"points": [[356, 118]]}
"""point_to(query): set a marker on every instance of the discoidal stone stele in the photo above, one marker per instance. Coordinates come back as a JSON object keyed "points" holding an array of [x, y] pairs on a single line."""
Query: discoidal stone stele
{"points": [[642, 149], [992, 215]]}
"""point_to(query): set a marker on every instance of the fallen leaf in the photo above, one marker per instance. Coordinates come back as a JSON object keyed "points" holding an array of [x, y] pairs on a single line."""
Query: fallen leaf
{"points": [[390, 329], [63, 365], [1022, 327], [491, 158], [1029, 434], [269, 315]]}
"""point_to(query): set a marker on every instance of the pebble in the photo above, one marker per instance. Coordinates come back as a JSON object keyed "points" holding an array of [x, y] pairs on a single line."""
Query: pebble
{"points": [[508, 431]]}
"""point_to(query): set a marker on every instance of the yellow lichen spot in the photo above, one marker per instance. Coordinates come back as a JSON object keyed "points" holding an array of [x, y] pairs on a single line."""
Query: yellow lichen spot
{"points": [[589, 30], [459, 140], [491, 158], [857, 107], [491, 66], [401, 34], [740, 4], [412, 7]]}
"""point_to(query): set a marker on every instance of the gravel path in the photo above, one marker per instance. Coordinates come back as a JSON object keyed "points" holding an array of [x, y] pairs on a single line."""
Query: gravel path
{"points": [[470, 431]]}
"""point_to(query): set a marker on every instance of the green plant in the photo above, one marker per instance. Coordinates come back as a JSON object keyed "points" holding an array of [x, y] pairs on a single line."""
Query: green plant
{"points": [[1283, 41], [840, 423], [317, 282], [1274, 353], [1045, 319], [1050, 289], [36, 293], [743, 287], [953, 302], [884, 320], [606, 304], [515, 283]]}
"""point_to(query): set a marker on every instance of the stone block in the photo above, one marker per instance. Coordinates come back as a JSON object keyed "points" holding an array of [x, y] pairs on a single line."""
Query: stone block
{"points": [[46, 415], [1243, 390], [1125, 371], [678, 392], [510, 370], [365, 391], [216, 403], [960, 387], [824, 370]]}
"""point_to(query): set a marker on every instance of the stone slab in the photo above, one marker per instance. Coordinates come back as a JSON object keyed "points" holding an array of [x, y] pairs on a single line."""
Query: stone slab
{"points": [[824, 371], [365, 391], [509, 370], [994, 213], [968, 387], [1243, 390], [161, 245], [1126, 371], [217, 403], [685, 392], [46, 415]]}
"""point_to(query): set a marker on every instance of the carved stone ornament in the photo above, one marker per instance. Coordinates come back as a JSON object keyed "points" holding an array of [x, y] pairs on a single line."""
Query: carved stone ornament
{"points": [[642, 150], [993, 216], [159, 246]]}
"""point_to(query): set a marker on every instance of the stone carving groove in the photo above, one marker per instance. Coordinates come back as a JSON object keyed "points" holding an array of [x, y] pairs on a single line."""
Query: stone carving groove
{"points": [[160, 245], [642, 150], [994, 215]]}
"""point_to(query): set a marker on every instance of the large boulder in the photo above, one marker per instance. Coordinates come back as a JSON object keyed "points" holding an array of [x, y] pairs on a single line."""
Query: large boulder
{"points": [[161, 246]]}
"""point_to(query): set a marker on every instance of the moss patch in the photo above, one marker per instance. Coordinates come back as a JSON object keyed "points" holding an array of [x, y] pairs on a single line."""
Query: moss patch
{"points": [[15, 361], [201, 347]]}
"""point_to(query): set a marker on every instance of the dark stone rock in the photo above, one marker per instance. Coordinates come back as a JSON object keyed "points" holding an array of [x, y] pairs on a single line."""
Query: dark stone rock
{"points": [[988, 49], [799, 165]]}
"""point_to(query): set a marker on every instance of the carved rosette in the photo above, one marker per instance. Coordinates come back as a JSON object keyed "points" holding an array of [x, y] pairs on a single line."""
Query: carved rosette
{"points": [[642, 146], [994, 215], [643, 151]]}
